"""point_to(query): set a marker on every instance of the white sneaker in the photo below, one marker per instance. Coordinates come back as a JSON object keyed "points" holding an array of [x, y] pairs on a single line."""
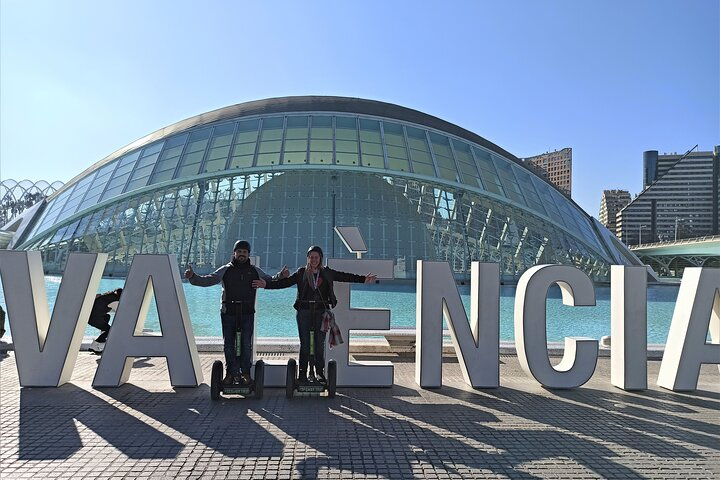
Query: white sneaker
{"points": [[97, 347]]}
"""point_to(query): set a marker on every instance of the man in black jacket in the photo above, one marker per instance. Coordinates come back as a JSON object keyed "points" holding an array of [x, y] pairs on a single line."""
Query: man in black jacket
{"points": [[238, 308], [315, 295]]}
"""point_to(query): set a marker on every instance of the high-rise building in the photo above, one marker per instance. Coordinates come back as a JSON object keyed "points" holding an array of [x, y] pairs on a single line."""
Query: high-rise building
{"points": [[611, 203], [680, 199], [556, 167]]}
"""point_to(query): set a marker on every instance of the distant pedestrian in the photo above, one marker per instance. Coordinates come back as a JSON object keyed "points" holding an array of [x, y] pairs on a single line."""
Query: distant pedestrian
{"points": [[100, 317]]}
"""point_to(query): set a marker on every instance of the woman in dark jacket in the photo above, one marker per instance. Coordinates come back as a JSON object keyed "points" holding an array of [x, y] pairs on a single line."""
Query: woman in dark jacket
{"points": [[315, 295]]}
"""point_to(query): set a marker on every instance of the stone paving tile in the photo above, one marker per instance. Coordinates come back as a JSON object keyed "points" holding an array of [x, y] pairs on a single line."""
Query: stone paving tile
{"points": [[146, 429]]}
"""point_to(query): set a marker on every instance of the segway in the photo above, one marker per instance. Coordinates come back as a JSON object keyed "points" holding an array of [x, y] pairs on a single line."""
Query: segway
{"points": [[255, 387], [310, 388]]}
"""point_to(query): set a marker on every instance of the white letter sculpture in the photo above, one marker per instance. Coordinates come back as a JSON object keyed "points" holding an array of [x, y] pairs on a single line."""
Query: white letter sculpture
{"points": [[628, 327], [476, 342], [365, 373], [580, 357], [126, 341], [47, 349], [697, 309]]}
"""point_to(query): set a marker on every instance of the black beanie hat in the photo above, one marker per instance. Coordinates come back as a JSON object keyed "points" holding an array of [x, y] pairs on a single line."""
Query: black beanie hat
{"points": [[242, 244], [315, 248]]}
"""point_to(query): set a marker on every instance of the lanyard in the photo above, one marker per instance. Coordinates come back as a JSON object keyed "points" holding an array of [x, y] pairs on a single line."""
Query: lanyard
{"points": [[315, 277]]}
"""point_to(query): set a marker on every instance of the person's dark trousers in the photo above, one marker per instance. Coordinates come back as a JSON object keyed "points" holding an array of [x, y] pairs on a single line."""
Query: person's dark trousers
{"points": [[305, 320], [247, 323], [102, 324]]}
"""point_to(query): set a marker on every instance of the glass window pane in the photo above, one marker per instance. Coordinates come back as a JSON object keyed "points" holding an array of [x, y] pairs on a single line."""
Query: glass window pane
{"points": [[320, 157], [424, 169], [396, 152], [241, 161], [296, 145], [270, 146], [346, 146], [244, 149], [346, 158], [321, 145], [369, 130], [177, 140], [372, 148], [268, 158], [294, 157], [448, 174], [219, 152], [245, 137], [163, 176], [373, 161], [215, 165], [394, 135], [420, 156], [416, 139], [222, 135], [398, 164], [272, 129], [197, 146], [154, 148], [297, 128], [346, 128], [441, 145]]}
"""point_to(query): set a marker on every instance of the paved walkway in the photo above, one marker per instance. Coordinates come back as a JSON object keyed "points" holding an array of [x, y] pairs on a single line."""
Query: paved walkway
{"points": [[146, 429]]}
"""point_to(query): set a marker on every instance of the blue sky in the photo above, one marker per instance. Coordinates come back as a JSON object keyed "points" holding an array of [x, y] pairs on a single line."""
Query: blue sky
{"points": [[611, 79]]}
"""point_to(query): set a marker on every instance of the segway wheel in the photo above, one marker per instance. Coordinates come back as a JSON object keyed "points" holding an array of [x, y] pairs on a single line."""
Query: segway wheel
{"points": [[216, 380], [290, 378], [259, 378], [332, 378]]}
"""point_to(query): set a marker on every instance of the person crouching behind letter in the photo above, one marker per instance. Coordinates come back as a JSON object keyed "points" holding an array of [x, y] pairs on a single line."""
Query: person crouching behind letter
{"points": [[315, 295], [237, 309], [100, 317]]}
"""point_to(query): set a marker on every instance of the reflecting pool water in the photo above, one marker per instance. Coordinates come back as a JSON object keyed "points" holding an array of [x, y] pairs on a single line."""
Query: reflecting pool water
{"points": [[276, 317]]}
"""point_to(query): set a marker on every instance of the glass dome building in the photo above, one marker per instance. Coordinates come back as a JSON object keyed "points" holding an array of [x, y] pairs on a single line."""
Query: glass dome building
{"points": [[283, 172]]}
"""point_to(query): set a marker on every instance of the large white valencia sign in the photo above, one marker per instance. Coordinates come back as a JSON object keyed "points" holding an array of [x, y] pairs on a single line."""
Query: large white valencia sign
{"points": [[47, 347]]}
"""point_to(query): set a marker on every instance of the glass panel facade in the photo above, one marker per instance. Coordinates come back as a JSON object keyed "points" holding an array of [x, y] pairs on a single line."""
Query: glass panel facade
{"points": [[243, 150], [420, 152], [443, 157], [296, 140], [219, 151], [468, 170], [347, 148], [397, 152], [434, 197], [144, 167], [120, 176], [270, 142], [371, 144], [321, 140]]}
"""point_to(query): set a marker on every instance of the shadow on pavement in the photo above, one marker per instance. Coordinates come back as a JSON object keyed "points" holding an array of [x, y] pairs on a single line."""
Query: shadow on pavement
{"points": [[48, 429]]}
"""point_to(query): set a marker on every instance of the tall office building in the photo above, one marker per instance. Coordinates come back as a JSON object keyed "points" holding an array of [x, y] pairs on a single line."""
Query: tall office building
{"points": [[556, 167], [611, 203], [680, 199]]}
